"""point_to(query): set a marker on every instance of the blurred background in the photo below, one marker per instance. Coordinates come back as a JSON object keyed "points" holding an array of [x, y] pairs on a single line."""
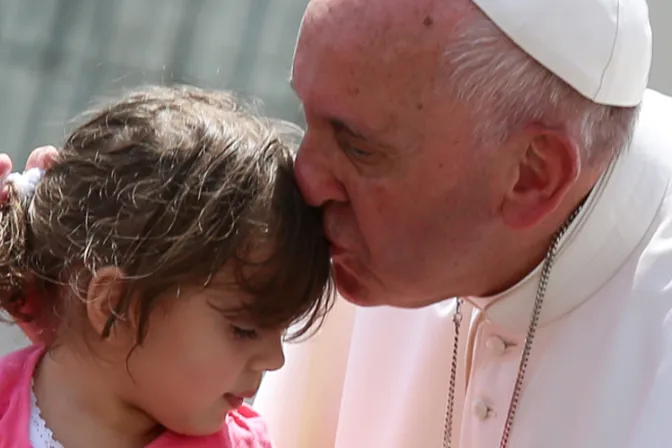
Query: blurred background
{"points": [[57, 57]]}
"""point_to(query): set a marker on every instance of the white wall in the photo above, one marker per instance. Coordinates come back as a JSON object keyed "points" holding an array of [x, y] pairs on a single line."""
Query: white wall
{"points": [[11, 338], [661, 69]]}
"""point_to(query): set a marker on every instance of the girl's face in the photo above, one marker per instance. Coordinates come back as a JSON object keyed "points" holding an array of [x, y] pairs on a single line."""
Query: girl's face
{"points": [[195, 364]]}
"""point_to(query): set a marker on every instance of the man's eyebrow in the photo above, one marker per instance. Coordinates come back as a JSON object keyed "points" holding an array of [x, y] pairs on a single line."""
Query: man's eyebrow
{"points": [[339, 125]]}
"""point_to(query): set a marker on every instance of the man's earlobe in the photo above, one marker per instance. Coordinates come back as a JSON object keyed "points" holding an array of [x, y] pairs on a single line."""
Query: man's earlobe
{"points": [[548, 167]]}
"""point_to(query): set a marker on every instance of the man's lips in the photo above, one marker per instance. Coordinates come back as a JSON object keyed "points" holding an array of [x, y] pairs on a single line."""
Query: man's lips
{"points": [[335, 251]]}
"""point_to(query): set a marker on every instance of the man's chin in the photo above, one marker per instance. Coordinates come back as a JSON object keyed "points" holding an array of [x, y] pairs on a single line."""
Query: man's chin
{"points": [[358, 291], [357, 300], [352, 289]]}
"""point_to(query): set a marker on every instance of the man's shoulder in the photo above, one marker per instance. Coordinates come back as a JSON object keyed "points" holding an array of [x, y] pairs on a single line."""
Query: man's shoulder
{"points": [[655, 94], [653, 132], [651, 143], [654, 100]]}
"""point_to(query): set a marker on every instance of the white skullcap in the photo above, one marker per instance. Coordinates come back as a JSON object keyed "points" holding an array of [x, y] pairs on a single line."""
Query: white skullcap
{"points": [[602, 48]]}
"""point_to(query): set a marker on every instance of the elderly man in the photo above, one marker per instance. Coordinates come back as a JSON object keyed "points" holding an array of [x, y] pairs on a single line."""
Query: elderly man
{"points": [[482, 149], [488, 150]]}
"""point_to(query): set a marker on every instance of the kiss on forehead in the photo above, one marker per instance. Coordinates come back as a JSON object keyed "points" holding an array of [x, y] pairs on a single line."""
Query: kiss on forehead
{"points": [[486, 181]]}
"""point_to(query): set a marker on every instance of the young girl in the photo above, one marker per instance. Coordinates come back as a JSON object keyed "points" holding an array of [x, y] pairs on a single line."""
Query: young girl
{"points": [[175, 250]]}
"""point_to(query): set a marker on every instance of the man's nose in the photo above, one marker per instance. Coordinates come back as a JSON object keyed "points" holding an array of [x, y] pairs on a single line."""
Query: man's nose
{"points": [[316, 174]]}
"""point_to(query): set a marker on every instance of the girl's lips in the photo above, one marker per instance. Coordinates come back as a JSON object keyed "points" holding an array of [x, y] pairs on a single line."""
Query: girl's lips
{"points": [[237, 400], [234, 401]]}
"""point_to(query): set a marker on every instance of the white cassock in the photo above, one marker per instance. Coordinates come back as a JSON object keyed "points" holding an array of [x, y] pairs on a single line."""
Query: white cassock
{"points": [[600, 374]]}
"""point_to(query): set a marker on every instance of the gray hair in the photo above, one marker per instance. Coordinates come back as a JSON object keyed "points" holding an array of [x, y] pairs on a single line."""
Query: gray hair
{"points": [[506, 89]]}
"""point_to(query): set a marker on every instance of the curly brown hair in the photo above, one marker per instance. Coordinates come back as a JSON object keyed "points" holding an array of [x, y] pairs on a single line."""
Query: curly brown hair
{"points": [[169, 184]]}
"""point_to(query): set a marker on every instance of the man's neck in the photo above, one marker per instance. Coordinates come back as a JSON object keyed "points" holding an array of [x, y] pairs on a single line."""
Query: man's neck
{"points": [[528, 251]]}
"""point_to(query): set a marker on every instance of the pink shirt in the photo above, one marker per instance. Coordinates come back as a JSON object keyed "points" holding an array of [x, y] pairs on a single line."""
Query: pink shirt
{"points": [[243, 428]]}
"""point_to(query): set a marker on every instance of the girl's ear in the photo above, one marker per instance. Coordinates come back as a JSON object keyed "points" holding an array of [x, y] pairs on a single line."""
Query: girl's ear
{"points": [[104, 294]]}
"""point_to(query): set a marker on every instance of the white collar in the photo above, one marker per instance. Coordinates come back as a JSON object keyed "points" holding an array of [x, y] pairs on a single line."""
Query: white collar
{"points": [[614, 220]]}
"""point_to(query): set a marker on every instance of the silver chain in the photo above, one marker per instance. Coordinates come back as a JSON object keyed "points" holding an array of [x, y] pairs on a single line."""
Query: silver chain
{"points": [[529, 339]]}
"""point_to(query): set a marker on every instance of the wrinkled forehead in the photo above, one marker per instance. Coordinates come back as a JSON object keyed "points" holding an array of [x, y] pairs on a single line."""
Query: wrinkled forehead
{"points": [[373, 15], [382, 28], [368, 54]]}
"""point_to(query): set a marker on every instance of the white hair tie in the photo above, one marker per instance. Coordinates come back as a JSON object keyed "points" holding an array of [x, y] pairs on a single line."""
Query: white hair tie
{"points": [[26, 182]]}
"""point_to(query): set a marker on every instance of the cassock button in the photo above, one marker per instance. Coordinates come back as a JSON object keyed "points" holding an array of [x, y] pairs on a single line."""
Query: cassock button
{"points": [[480, 409], [496, 345]]}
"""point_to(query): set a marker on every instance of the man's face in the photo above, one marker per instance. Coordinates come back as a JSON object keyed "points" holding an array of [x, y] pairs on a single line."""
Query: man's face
{"points": [[410, 206]]}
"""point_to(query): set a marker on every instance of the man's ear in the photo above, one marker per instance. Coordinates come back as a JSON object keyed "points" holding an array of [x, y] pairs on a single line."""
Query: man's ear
{"points": [[548, 165], [105, 294]]}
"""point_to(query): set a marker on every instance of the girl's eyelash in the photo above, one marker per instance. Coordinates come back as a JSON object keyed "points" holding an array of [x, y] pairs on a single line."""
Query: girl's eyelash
{"points": [[243, 333]]}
